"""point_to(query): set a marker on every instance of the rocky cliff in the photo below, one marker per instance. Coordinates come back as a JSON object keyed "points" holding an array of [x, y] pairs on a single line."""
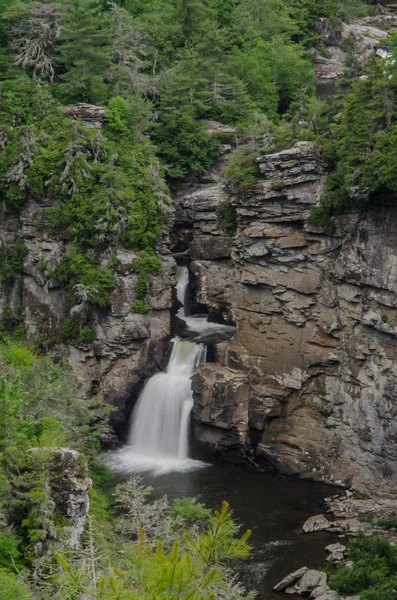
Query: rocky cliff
{"points": [[307, 386], [125, 348]]}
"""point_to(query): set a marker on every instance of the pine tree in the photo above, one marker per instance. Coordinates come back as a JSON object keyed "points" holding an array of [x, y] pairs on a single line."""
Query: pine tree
{"points": [[84, 53]]}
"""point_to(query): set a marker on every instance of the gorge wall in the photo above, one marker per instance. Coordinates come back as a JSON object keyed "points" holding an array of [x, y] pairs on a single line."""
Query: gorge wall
{"points": [[307, 385], [127, 347]]}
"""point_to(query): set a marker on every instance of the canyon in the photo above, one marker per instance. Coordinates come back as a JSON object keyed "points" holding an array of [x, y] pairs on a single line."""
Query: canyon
{"points": [[306, 386]]}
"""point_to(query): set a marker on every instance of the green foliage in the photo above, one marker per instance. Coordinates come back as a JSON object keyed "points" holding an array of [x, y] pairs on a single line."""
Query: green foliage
{"points": [[70, 329], [389, 522], [243, 168], [373, 573], [84, 53], [83, 270], [363, 149], [145, 264], [11, 588], [140, 307], [40, 401], [228, 216], [192, 566], [182, 143], [10, 555], [189, 509], [11, 262]]}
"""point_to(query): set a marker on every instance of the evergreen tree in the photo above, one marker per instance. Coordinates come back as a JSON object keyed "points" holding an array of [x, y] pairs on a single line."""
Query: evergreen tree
{"points": [[84, 53]]}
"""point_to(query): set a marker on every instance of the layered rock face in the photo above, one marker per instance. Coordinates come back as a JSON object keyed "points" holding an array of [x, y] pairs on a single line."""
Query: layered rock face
{"points": [[308, 384], [198, 231], [127, 347]]}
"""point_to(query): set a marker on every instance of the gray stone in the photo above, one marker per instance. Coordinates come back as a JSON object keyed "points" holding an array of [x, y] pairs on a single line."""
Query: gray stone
{"points": [[311, 580], [316, 523], [329, 595], [290, 579]]}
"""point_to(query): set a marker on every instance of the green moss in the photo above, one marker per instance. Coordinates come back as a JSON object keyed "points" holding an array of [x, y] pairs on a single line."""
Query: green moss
{"points": [[277, 185], [140, 307]]}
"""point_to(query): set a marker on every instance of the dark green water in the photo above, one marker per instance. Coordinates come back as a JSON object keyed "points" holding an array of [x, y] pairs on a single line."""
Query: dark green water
{"points": [[274, 508]]}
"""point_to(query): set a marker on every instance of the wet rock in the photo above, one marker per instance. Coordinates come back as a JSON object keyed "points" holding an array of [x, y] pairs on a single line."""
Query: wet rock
{"points": [[316, 523], [329, 595], [336, 552], [318, 592], [290, 579], [311, 580]]}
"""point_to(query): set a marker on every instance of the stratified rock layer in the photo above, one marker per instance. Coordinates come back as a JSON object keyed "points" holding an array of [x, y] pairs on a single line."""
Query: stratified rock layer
{"points": [[308, 384]]}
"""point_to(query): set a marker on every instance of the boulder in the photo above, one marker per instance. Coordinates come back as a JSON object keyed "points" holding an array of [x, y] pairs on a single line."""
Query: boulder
{"points": [[311, 580], [290, 580], [329, 595], [316, 523], [332, 548], [319, 591]]}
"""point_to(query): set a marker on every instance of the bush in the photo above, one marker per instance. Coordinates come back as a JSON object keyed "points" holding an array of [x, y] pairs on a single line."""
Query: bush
{"points": [[228, 216], [70, 329], [243, 168], [11, 588], [373, 573], [11, 262], [140, 307], [83, 269]]}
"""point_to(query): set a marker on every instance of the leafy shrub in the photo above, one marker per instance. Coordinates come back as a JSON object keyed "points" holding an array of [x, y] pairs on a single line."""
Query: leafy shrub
{"points": [[19, 355], [11, 588], [189, 509], [87, 334], [70, 329], [228, 216], [142, 286], [140, 307], [373, 573], [83, 269], [243, 168]]}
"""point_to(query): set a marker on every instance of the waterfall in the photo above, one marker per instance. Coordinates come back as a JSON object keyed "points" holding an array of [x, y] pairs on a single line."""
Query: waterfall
{"points": [[159, 435], [182, 277], [160, 423]]}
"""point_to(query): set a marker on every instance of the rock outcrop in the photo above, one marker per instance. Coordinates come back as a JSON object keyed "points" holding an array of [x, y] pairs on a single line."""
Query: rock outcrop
{"points": [[307, 386], [127, 347], [198, 230], [69, 483], [366, 34]]}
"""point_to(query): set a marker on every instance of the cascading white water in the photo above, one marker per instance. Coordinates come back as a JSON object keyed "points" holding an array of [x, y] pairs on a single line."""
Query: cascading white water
{"points": [[158, 438], [182, 277], [161, 418]]}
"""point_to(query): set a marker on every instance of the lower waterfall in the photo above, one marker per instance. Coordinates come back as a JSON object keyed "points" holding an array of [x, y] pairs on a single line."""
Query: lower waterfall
{"points": [[159, 435], [160, 424]]}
